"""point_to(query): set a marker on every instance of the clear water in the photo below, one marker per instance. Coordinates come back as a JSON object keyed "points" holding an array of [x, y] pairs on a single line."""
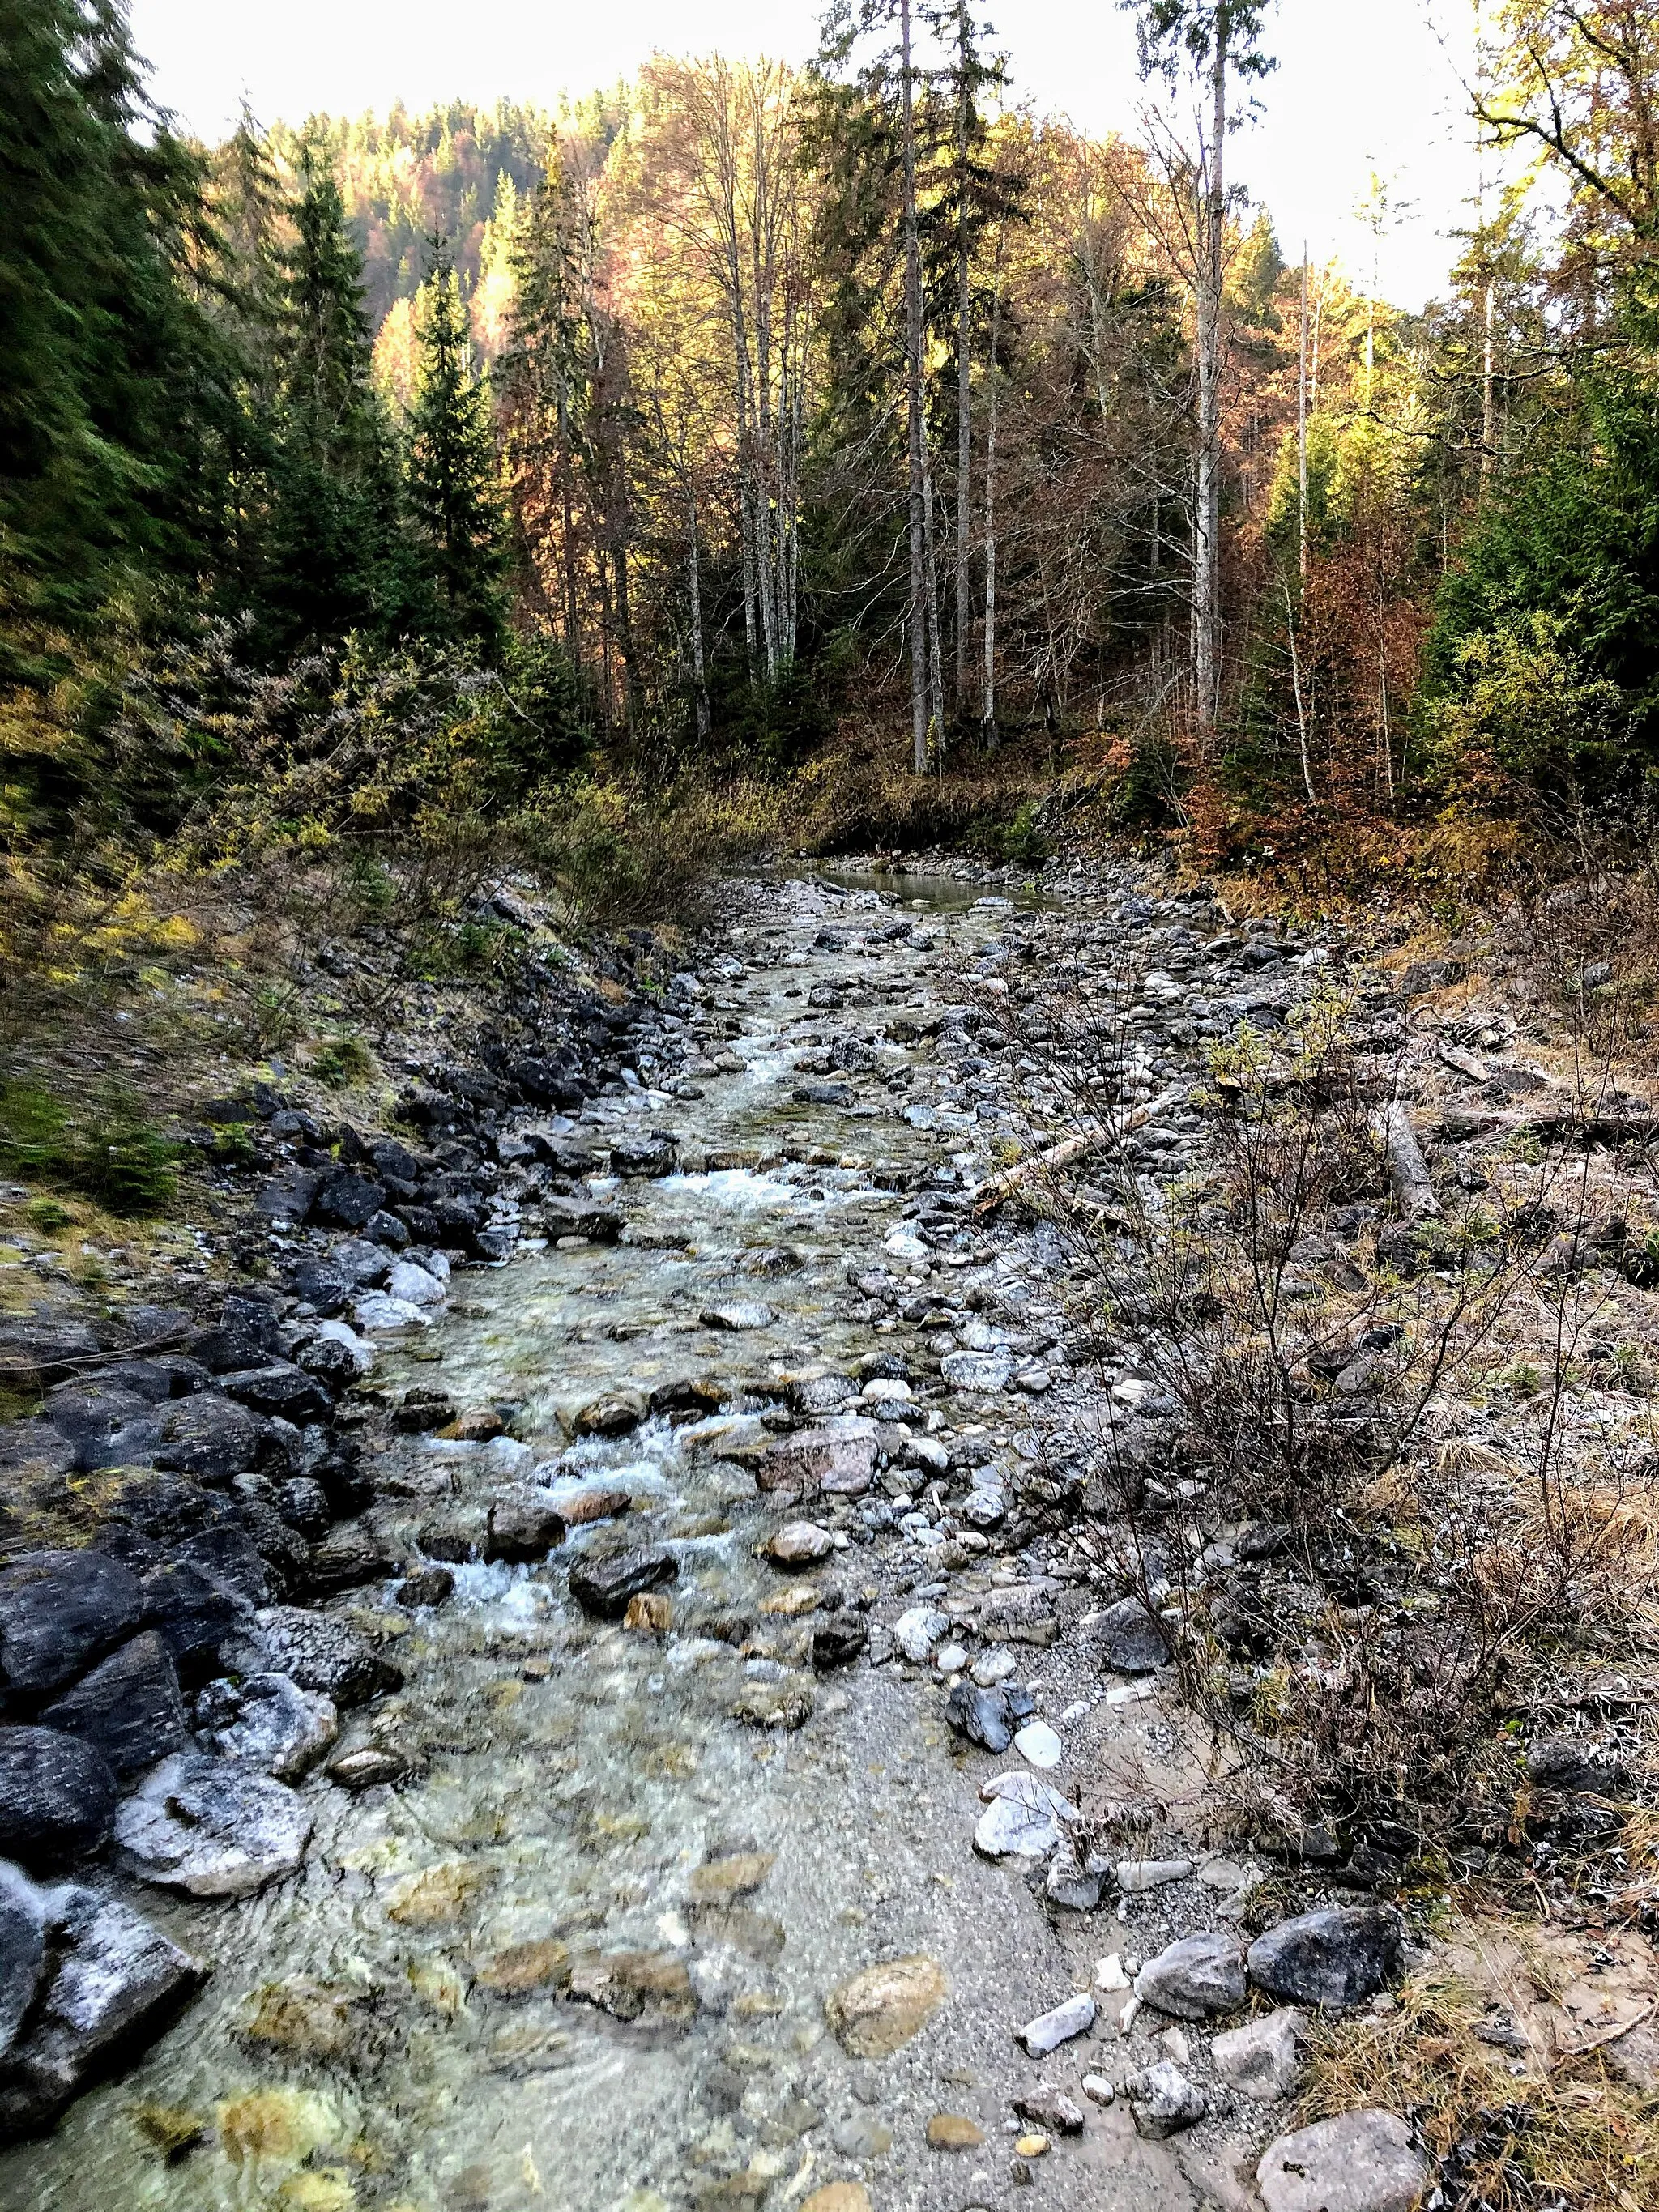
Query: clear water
{"points": [[576, 1777]]}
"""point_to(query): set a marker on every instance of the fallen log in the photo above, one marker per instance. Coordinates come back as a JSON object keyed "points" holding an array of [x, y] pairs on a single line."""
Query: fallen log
{"points": [[996, 1189], [1408, 1171]]}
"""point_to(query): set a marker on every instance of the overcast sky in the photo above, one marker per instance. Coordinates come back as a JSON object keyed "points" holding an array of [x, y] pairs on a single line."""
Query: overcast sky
{"points": [[1361, 85]]}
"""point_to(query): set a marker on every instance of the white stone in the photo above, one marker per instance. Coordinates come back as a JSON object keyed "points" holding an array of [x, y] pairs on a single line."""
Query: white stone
{"points": [[1134, 1874], [986, 1371], [1358, 2162], [879, 1387], [1050, 2029], [918, 1631], [1098, 2089], [358, 1349], [1037, 1742], [951, 1658], [993, 1667], [415, 1284], [212, 1827], [1109, 1974], [1022, 1820], [378, 1314]]}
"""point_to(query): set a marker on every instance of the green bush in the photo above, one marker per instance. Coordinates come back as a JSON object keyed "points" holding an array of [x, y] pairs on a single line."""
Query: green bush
{"points": [[108, 1151]]}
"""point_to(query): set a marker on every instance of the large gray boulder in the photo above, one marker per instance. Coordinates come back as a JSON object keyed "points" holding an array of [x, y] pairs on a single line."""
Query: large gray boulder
{"points": [[129, 1708], [22, 1949], [1358, 2162], [1332, 1958], [112, 1981], [1130, 1639], [59, 1613], [314, 1650], [212, 1827], [268, 1722], [1194, 1979], [1263, 2058], [56, 1797]]}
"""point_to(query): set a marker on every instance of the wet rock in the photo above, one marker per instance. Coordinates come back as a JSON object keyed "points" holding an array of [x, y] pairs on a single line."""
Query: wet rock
{"points": [[838, 1641], [981, 1715], [652, 1155], [838, 1458], [213, 1438], [423, 1409], [1022, 1818], [523, 1968], [603, 1587], [1163, 2100], [650, 1613], [315, 1652], [22, 1949], [786, 1704], [1332, 1958], [612, 1415], [56, 1797], [583, 1507], [59, 1612], [629, 1984], [522, 1527], [1195, 1978], [800, 1544], [347, 1558], [430, 1586], [36, 1352], [876, 2013], [575, 1217], [193, 1613], [368, 1766], [1263, 2058], [1130, 1639], [303, 2019], [336, 1355], [1047, 2107], [1050, 2029], [128, 1708], [211, 1828], [985, 1372], [739, 1313], [267, 1722], [346, 1200], [1359, 2162], [280, 1390], [115, 1980]]}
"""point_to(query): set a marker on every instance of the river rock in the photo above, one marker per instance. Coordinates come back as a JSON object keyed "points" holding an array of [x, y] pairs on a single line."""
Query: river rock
{"points": [[522, 1527], [983, 1372], [1050, 2029], [839, 1640], [193, 1612], [875, 2012], [800, 1544], [1072, 1880], [268, 1722], [279, 1389], [129, 1707], [60, 1612], [1358, 2162], [652, 1154], [612, 1415], [22, 1948], [314, 1650], [1130, 1639], [56, 1797], [603, 1587], [738, 1314], [1332, 1958], [215, 1439], [918, 1630], [1195, 1977], [415, 1284], [840, 1457], [981, 1715], [1135, 1875], [427, 1586], [578, 1216], [1021, 1819], [114, 1982], [1037, 1742], [43, 1349], [983, 1508], [1048, 2106], [1263, 2058], [212, 1827], [1163, 2100]]}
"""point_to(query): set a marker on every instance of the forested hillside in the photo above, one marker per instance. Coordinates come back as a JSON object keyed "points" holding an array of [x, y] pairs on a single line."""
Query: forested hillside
{"points": [[826, 421]]}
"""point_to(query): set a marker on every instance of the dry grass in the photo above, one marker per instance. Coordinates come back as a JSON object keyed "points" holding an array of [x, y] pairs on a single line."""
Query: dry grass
{"points": [[1565, 2131]]}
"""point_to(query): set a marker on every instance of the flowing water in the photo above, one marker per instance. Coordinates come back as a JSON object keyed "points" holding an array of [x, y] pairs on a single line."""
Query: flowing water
{"points": [[435, 2012]]}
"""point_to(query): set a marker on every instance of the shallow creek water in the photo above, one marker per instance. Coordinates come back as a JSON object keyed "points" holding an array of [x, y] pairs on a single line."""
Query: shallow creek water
{"points": [[576, 1777]]}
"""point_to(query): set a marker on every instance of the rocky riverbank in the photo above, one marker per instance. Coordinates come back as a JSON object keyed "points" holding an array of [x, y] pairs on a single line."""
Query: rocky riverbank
{"points": [[572, 1670]]}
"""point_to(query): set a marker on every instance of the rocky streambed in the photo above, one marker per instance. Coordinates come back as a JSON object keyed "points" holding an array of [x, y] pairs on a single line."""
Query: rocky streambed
{"points": [[561, 1693]]}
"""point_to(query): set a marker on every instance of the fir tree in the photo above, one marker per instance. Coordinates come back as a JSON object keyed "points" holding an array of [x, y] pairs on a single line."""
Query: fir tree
{"points": [[453, 490]]}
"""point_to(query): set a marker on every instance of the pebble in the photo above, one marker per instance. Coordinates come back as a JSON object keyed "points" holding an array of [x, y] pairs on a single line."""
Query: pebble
{"points": [[1359, 2162], [1048, 2107], [993, 1667], [1136, 1875], [738, 1314], [838, 2197], [1037, 1742], [954, 2131], [1109, 1974], [1031, 2146], [1050, 2029], [1098, 2089], [917, 1630], [800, 1544]]}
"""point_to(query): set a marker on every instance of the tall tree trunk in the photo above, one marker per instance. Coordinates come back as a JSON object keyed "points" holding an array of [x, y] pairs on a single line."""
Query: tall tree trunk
{"points": [[1487, 417], [1206, 518], [699, 665], [918, 624], [935, 654], [988, 704], [965, 334], [1302, 426]]}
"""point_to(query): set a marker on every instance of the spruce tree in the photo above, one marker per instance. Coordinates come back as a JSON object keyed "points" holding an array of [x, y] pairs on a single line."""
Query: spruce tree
{"points": [[453, 477]]}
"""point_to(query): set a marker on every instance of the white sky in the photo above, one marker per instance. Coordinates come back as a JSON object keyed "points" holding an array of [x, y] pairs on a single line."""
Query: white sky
{"points": [[1361, 85]]}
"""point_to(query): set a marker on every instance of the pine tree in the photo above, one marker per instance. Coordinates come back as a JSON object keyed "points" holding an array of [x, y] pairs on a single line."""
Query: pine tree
{"points": [[453, 477]]}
